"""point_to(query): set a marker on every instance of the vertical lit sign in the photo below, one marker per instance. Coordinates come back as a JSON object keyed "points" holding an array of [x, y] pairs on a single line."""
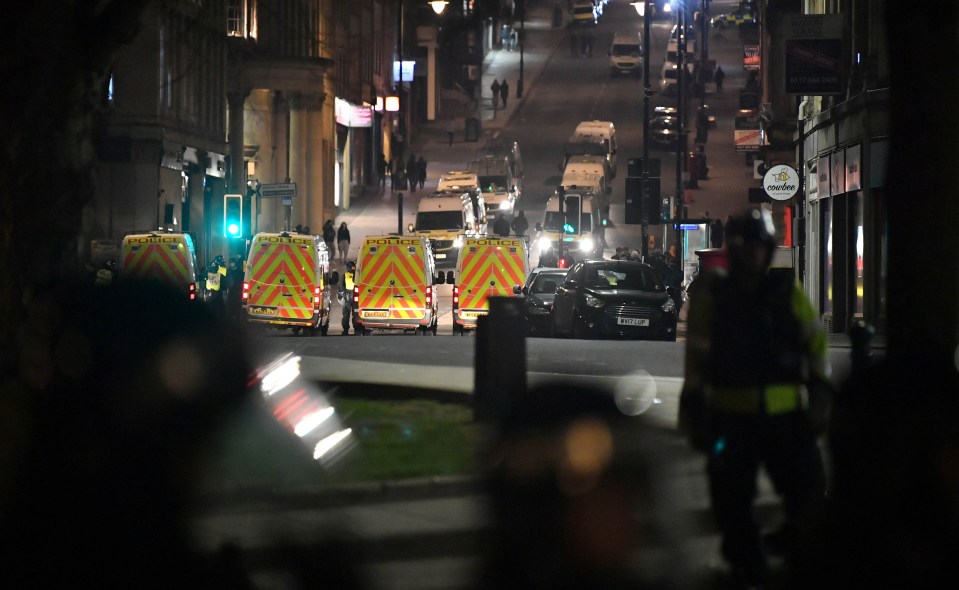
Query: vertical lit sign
{"points": [[406, 70]]}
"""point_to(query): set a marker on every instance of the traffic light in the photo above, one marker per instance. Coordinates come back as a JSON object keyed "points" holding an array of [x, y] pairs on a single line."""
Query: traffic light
{"points": [[574, 209], [233, 216]]}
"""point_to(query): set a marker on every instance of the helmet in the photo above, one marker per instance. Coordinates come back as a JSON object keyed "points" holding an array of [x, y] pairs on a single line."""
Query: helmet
{"points": [[755, 225], [350, 266]]}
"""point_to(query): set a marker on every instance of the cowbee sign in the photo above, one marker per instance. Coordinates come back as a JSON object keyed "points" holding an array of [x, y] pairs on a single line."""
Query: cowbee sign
{"points": [[781, 182]]}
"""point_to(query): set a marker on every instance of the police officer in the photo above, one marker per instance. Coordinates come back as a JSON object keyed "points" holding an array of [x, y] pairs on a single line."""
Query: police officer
{"points": [[214, 283], [756, 393], [346, 297]]}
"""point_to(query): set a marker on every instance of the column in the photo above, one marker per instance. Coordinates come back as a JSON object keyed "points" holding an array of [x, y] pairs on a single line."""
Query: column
{"points": [[307, 144]]}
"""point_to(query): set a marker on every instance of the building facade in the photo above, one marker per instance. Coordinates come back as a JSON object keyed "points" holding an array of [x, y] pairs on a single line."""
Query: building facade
{"points": [[824, 93]]}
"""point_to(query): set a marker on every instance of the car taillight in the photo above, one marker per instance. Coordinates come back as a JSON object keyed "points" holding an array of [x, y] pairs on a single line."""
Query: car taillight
{"points": [[191, 291], [456, 296], [429, 295], [245, 296], [316, 298], [356, 294]]}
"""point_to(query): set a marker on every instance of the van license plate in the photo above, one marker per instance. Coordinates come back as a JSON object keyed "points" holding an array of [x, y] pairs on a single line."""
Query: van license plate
{"points": [[441, 255], [263, 311], [632, 321]]}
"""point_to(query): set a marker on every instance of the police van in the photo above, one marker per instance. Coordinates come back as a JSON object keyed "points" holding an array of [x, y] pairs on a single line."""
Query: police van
{"points": [[578, 226], [487, 267], [626, 55], [169, 258], [495, 178], [288, 283], [393, 285], [445, 218], [605, 131]]}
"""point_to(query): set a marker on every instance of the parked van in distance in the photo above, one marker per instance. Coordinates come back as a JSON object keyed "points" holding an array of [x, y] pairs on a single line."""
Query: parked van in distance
{"points": [[446, 218], [594, 165], [607, 131], [457, 180], [496, 182], [509, 149], [626, 55]]}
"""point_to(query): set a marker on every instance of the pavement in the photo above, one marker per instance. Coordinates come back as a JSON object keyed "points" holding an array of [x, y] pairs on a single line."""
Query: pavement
{"points": [[425, 534]]}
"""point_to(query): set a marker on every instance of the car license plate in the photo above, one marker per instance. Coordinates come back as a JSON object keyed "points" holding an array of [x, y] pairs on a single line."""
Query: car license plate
{"points": [[632, 321], [440, 255], [263, 311]]}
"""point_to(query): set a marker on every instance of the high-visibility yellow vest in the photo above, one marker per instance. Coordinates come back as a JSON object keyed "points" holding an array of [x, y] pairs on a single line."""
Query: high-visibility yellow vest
{"points": [[348, 280]]}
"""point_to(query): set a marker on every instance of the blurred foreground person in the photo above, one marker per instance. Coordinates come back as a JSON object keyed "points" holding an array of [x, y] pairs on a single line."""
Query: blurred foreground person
{"points": [[572, 488], [116, 398], [756, 394]]}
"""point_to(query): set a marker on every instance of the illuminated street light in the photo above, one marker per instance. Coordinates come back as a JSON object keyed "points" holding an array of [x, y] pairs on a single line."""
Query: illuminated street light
{"points": [[438, 5]]}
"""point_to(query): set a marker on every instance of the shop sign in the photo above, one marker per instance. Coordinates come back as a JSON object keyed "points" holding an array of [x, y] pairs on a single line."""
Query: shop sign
{"points": [[813, 54], [781, 182]]}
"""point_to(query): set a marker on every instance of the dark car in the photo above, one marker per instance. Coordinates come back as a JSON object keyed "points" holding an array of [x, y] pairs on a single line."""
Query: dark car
{"points": [[614, 299], [671, 111], [663, 131], [537, 294]]}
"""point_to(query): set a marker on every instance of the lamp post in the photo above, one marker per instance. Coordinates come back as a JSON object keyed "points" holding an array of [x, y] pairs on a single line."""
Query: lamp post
{"points": [[643, 9], [681, 124], [521, 4]]}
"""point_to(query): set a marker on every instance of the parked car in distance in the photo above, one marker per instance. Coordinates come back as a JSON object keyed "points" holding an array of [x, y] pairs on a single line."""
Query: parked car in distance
{"points": [[673, 112], [732, 19], [663, 131], [537, 295], [614, 299]]}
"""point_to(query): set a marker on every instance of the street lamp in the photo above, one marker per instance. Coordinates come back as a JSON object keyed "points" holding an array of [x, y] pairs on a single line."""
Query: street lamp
{"points": [[644, 11], [521, 5], [438, 5]]}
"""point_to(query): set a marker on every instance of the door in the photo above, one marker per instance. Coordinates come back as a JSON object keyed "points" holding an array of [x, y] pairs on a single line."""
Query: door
{"points": [[392, 281]]}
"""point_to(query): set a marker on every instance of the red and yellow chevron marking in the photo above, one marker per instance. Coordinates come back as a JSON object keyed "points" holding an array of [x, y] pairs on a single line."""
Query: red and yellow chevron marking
{"points": [[163, 262], [393, 278], [490, 263], [293, 299]]}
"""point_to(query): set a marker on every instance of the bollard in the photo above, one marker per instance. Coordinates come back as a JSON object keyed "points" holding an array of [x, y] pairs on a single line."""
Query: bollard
{"points": [[861, 334], [500, 363]]}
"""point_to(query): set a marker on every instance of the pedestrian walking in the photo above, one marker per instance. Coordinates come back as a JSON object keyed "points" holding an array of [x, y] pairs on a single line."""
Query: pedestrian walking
{"points": [[329, 236], [504, 91], [343, 241], [397, 177], [381, 169], [718, 76], [756, 394], [504, 37], [412, 173], [573, 42], [520, 224], [421, 170], [494, 87], [450, 128], [513, 38], [716, 233]]}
